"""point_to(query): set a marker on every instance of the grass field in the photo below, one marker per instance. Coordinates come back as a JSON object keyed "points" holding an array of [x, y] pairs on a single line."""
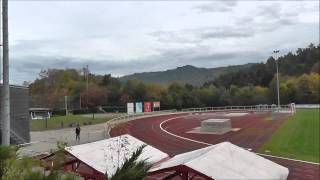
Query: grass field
{"points": [[56, 122], [297, 138]]}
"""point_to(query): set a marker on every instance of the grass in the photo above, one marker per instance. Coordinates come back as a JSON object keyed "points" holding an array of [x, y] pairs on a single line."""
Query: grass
{"points": [[56, 122], [297, 138]]}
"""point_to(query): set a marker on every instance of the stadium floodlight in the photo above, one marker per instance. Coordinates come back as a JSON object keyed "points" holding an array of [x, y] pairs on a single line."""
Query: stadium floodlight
{"points": [[278, 88]]}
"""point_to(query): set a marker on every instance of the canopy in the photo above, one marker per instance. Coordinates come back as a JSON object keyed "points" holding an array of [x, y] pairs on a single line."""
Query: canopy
{"points": [[109, 154], [224, 161]]}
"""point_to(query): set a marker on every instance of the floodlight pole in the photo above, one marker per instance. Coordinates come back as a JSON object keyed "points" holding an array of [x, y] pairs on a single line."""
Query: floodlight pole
{"points": [[5, 93], [278, 88]]}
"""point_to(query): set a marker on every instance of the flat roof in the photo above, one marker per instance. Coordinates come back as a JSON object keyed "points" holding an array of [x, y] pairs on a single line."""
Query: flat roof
{"points": [[40, 109]]}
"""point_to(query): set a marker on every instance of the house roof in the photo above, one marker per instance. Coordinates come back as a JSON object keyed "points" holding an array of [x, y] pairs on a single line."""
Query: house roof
{"points": [[227, 161], [106, 155]]}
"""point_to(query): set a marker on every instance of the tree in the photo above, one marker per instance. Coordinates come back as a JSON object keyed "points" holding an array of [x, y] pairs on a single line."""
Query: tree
{"points": [[6, 153], [132, 169], [26, 168], [135, 90], [153, 91], [95, 96]]}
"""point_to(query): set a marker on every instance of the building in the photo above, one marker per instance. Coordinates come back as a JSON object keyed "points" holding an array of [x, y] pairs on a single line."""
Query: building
{"points": [[19, 114], [40, 113]]}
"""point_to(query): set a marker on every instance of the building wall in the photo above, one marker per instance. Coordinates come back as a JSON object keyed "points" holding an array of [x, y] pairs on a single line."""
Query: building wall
{"points": [[19, 106]]}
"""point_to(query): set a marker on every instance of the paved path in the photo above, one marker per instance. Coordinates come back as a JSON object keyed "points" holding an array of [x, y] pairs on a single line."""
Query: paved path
{"points": [[43, 142], [46, 141]]}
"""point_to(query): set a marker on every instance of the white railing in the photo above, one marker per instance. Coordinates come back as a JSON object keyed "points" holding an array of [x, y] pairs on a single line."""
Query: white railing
{"points": [[223, 108], [113, 122], [308, 106]]}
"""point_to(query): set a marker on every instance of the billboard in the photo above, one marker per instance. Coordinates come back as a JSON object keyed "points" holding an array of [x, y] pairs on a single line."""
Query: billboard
{"points": [[147, 107], [138, 107], [156, 104], [130, 108]]}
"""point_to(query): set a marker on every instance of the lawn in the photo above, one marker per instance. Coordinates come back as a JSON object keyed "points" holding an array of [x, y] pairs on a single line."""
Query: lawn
{"points": [[65, 121], [297, 138]]}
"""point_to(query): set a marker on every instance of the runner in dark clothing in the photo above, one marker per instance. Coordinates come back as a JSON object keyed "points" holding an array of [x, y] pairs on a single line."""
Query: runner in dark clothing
{"points": [[78, 129]]}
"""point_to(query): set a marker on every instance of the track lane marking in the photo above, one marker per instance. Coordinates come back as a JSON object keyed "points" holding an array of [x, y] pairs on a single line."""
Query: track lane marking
{"points": [[181, 137], [200, 142]]}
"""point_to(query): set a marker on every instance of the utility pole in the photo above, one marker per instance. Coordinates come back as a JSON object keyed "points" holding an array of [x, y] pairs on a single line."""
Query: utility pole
{"points": [[5, 93], [87, 85], [80, 101], [278, 86], [66, 104]]}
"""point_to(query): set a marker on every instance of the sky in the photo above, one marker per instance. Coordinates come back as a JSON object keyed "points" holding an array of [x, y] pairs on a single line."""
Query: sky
{"points": [[126, 37]]}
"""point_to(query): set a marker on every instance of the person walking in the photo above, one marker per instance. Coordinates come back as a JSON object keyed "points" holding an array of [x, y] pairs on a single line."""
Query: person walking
{"points": [[78, 129]]}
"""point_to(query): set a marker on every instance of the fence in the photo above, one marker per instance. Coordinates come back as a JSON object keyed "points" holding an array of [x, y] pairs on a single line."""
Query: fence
{"points": [[128, 117], [246, 108], [113, 122], [308, 106]]}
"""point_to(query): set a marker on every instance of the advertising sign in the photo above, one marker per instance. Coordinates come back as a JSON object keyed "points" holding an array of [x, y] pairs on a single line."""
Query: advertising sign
{"points": [[156, 104], [130, 108], [138, 107], [147, 107]]}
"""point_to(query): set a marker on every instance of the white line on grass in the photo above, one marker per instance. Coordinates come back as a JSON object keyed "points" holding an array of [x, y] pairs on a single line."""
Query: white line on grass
{"points": [[200, 142], [288, 158]]}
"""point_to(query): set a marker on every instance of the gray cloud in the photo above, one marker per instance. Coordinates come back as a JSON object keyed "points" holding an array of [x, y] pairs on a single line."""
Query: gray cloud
{"points": [[198, 35], [227, 32], [250, 36], [27, 68], [216, 6], [266, 18]]}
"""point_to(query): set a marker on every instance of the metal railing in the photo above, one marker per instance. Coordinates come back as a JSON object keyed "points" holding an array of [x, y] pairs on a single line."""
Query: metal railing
{"points": [[223, 108], [128, 117], [261, 107]]}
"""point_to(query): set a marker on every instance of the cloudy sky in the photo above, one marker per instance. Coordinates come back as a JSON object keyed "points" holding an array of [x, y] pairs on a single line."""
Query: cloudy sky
{"points": [[137, 36]]}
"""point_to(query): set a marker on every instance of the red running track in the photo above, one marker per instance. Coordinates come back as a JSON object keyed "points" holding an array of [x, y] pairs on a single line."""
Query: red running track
{"points": [[255, 130]]}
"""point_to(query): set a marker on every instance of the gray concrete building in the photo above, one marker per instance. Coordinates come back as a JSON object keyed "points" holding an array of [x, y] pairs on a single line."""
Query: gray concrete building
{"points": [[19, 106]]}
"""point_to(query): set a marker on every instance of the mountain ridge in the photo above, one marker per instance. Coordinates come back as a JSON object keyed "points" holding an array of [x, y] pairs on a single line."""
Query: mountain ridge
{"points": [[186, 74]]}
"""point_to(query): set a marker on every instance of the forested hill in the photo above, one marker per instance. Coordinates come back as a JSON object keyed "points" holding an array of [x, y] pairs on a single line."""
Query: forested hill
{"points": [[236, 85], [303, 61], [186, 74]]}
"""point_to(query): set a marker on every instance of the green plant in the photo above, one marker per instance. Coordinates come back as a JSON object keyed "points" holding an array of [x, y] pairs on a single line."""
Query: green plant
{"points": [[132, 169]]}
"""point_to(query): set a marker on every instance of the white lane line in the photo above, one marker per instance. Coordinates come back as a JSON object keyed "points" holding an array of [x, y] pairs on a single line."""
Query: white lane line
{"points": [[200, 142], [279, 157]]}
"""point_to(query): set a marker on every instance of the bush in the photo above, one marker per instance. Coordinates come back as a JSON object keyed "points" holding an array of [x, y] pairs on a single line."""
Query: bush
{"points": [[85, 111]]}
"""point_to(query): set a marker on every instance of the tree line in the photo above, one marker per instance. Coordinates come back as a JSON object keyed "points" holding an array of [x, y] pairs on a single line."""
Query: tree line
{"points": [[299, 83]]}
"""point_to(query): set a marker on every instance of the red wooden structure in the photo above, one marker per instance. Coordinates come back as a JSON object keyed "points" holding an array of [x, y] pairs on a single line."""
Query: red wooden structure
{"points": [[73, 164], [178, 172]]}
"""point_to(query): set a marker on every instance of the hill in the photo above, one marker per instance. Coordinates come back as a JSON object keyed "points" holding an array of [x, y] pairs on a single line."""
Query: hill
{"points": [[185, 74]]}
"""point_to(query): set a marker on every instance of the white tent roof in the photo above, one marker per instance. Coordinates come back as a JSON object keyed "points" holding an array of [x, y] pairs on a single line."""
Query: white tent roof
{"points": [[103, 155], [227, 161]]}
